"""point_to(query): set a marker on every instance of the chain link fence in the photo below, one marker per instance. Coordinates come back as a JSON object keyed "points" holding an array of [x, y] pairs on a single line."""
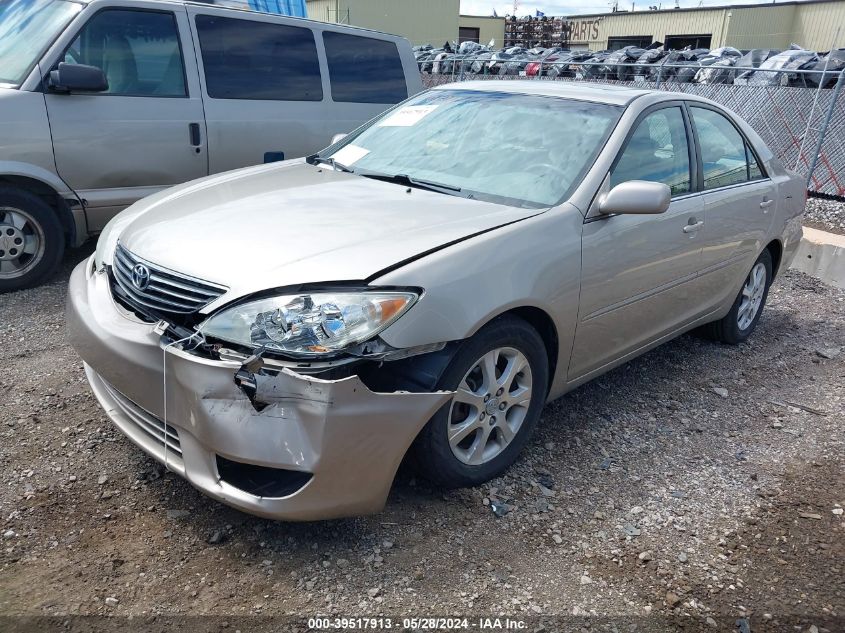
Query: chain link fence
{"points": [[803, 126]]}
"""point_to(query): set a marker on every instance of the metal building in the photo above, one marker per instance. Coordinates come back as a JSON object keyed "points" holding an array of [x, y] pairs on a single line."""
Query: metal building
{"points": [[476, 28], [810, 24], [775, 25], [432, 21]]}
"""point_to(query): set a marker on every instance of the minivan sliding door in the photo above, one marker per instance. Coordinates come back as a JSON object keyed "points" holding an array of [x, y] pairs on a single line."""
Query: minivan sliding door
{"points": [[262, 88]]}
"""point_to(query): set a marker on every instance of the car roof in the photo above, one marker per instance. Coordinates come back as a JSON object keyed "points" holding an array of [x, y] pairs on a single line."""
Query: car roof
{"points": [[597, 93]]}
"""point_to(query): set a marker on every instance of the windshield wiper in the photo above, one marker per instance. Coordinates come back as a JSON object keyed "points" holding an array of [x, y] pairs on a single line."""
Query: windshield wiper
{"points": [[314, 160], [405, 179]]}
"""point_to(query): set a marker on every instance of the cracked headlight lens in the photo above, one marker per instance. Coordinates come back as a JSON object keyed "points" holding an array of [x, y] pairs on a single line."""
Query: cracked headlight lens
{"points": [[315, 323]]}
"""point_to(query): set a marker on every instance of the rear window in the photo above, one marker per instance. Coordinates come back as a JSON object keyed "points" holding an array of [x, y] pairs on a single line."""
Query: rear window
{"points": [[364, 70], [245, 59]]}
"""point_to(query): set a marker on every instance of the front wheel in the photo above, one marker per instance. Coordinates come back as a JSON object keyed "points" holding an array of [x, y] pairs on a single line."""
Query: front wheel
{"points": [[500, 378], [739, 323], [31, 240]]}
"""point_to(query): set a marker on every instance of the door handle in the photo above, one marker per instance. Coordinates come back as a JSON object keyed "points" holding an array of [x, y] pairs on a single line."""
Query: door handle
{"points": [[194, 131], [766, 204], [692, 228]]}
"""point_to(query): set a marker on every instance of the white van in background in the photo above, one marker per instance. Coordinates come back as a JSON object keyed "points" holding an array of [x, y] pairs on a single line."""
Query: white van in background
{"points": [[103, 102]]}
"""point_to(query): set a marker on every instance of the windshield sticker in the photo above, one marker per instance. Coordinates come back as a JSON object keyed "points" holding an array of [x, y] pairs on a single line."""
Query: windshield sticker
{"points": [[350, 155], [407, 116]]}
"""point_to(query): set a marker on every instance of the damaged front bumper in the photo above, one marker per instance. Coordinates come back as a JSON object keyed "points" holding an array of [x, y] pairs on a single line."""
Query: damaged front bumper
{"points": [[314, 449]]}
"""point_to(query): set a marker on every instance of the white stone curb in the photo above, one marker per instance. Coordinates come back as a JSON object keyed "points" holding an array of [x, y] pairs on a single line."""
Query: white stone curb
{"points": [[822, 255]]}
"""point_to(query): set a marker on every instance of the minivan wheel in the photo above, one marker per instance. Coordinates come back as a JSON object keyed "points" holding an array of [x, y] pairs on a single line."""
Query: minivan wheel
{"points": [[500, 377], [31, 240], [739, 323]]}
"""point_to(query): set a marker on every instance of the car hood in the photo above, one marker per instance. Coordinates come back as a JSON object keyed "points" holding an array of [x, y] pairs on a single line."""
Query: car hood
{"points": [[291, 224]]}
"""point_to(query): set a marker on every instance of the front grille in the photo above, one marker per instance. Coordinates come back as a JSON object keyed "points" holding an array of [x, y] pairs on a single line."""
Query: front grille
{"points": [[167, 291], [145, 421]]}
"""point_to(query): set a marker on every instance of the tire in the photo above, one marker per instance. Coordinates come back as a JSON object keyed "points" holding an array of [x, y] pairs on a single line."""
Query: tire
{"points": [[732, 329], [496, 428], [32, 241]]}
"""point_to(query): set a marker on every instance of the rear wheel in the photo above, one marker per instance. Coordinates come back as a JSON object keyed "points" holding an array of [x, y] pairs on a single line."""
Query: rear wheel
{"points": [[500, 377], [31, 240], [739, 323]]}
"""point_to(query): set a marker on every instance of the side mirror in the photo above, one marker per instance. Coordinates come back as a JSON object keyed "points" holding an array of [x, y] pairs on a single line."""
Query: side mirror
{"points": [[636, 196], [77, 78], [337, 138]]}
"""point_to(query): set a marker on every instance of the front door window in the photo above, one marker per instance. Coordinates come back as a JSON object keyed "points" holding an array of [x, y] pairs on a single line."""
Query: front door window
{"points": [[138, 51], [657, 151]]}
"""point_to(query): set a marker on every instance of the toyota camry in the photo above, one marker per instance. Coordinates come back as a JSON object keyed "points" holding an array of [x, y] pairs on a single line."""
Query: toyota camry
{"points": [[283, 336]]}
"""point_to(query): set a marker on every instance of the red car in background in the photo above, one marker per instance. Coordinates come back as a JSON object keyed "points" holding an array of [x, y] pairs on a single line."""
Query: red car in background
{"points": [[551, 55], [556, 64], [533, 68]]}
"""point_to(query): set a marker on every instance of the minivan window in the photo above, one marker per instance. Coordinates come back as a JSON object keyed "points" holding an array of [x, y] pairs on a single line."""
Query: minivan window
{"points": [[657, 151], [137, 50], [247, 59], [364, 70], [27, 28]]}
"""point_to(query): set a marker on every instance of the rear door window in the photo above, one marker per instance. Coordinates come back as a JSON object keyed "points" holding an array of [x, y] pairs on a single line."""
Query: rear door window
{"points": [[725, 156], [247, 59], [364, 70]]}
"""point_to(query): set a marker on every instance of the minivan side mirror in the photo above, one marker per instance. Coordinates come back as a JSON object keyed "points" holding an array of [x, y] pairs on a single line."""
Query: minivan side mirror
{"points": [[337, 138], [636, 197], [77, 78]]}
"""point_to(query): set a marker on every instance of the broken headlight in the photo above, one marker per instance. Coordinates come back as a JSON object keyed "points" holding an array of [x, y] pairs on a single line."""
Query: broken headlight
{"points": [[306, 324]]}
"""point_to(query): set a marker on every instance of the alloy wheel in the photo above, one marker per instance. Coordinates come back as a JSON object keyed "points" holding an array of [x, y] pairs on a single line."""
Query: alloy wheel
{"points": [[22, 243], [489, 406], [752, 296]]}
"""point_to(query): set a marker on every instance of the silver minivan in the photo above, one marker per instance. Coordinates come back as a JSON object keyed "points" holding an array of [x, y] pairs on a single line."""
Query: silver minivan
{"points": [[103, 102]]}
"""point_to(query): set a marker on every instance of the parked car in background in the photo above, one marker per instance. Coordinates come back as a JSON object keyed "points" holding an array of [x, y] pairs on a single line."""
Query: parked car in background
{"points": [[534, 68], [103, 102], [424, 285], [723, 65]]}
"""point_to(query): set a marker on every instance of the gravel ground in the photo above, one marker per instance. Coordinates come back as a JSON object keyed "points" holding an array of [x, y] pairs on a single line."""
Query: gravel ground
{"points": [[699, 486], [827, 215]]}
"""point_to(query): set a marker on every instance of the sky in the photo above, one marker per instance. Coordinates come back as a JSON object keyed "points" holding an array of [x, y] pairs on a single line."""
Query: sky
{"points": [[573, 7]]}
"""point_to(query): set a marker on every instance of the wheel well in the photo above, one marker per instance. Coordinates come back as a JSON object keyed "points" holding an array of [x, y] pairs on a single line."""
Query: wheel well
{"points": [[48, 195], [775, 249], [420, 374], [542, 322]]}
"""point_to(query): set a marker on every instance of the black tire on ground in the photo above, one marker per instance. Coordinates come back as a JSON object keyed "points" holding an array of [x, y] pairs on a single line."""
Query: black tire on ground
{"points": [[727, 329], [50, 228], [431, 452]]}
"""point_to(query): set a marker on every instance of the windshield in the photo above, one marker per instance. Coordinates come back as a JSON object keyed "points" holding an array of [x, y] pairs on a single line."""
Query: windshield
{"points": [[27, 28], [516, 149]]}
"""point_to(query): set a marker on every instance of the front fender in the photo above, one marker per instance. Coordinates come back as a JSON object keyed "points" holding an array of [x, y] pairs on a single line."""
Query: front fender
{"points": [[44, 182], [26, 153], [26, 147], [532, 263], [35, 172]]}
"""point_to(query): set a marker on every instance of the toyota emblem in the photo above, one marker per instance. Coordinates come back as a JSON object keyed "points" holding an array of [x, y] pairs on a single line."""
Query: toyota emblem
{"points": [[140, 277]]}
